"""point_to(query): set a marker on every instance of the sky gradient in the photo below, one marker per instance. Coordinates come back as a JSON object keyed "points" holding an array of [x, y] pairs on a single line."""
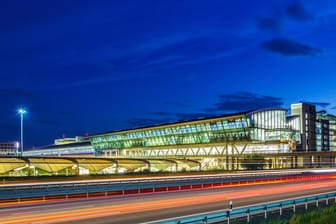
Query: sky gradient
{"points": [[86, 67]]}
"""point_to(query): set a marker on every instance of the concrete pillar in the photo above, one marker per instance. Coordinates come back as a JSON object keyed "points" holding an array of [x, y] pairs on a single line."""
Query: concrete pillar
{"points": [[149, 166], [117, 167], [227, 162], [277, 165], [232, 162], [330, 161], [270, 162]]}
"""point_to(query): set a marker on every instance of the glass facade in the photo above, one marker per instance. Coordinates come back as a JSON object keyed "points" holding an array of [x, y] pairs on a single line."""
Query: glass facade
{"points": [[264, 125], [325, 132], [223, 129], [9, 148], [332, 133], [269, 125]]}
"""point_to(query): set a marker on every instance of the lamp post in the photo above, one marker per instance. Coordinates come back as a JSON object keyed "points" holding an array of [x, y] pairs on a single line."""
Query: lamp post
{"points": [[21, 112]]}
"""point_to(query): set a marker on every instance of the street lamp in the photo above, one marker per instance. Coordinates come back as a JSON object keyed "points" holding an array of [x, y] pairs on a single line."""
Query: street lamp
{"points": [[21, 111]]}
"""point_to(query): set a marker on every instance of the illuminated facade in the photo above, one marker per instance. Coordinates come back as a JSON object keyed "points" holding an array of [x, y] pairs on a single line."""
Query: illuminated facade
{"points": [[325, 132], [307, 119], [9, 148], [220, 142], [63, 141], [83, 148], [258, 131]]}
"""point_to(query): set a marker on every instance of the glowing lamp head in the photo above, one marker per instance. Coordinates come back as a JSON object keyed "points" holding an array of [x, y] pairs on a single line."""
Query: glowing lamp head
{"points": [[22, 111]]}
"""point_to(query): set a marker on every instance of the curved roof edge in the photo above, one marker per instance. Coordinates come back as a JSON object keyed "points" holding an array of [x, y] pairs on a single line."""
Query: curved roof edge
{"points": [[182, 122], [266, 109]]}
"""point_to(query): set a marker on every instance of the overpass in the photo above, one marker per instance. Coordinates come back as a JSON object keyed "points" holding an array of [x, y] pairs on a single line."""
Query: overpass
{"points": [[38, 166]]}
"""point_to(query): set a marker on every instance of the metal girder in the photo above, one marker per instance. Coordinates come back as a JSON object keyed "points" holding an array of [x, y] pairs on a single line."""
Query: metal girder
{"points": [[204, 150]]}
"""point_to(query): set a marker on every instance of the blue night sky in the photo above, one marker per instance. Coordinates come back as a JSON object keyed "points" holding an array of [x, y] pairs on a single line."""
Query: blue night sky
{"points": [[86, 67]]}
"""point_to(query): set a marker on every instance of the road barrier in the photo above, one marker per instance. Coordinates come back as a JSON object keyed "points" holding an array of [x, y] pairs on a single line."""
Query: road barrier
{"points": [[247, 212], [140, 186]]}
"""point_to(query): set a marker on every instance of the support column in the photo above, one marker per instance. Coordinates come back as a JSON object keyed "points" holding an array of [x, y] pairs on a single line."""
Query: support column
{"points": [[117, 167], [232, 162], [227, 162], [149, 166], [276, 162], [238, 163], [330, 161], [319, 161]]}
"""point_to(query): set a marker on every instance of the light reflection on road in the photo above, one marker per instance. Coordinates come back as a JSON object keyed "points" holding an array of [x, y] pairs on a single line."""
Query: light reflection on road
{"points": [[54, 215]]}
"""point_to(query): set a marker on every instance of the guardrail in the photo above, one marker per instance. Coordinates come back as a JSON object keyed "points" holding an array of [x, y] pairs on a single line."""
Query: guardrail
{"points": [[246, 212], [126, 187]]}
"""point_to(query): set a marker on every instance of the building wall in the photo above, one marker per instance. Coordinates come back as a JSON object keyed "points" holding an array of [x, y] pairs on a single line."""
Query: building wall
{"points": [[216, 130], [322, 134], [332, 133], [307, 115], [9, 148], [266, 126], [269, 125], [325, 132]]}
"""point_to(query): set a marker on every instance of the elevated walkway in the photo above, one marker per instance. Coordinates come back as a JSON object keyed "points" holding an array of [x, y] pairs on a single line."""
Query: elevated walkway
{"points": [[37, 166]]}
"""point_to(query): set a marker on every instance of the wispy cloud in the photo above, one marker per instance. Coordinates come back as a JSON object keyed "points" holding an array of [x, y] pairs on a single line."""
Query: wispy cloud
{"points": [[288, 47], [272, 23], [269, 24], [226, 103], [319, 104], [244, 101], [169, 55], [297, 11]]}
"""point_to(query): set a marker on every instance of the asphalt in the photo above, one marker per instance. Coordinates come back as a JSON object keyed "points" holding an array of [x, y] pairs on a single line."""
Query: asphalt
{"points": [[159, 206]]}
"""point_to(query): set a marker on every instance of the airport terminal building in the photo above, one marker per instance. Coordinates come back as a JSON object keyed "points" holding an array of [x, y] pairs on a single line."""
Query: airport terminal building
{"points": [[261, 131], [251, 132], [272, 130], [220, 142]]}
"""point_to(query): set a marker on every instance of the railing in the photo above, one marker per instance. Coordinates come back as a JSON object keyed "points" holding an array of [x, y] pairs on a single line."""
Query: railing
{"points": [[247, 212], [146, 185]]}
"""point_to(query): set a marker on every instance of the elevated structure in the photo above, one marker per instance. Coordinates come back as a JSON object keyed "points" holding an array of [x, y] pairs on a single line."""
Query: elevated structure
{"points": [[80, 148], [63, 141], [249, 132], [39, 166]]}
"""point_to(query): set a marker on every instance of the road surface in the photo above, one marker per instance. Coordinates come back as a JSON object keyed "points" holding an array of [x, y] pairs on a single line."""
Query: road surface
{"points": [[157, 206]]}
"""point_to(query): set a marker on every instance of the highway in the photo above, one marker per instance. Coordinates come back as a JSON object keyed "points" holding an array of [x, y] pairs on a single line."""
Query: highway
{"points": [[172, 177], [150, 207]]}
